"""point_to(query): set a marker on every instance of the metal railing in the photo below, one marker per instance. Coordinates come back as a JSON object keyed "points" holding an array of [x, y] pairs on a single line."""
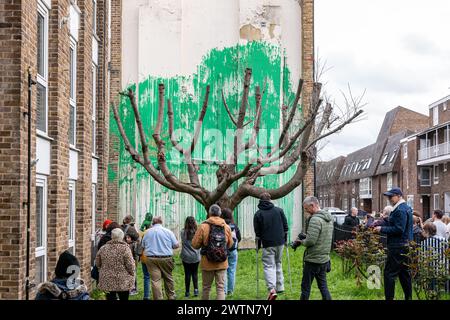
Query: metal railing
{"points": [[434, 151]]}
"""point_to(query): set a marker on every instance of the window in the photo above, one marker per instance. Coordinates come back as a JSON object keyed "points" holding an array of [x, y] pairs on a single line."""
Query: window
{"points": [[435, 116], [410, 201], [353, 202], [445, 167], [436, 201], [94, 217], [94, 16], [383, 160], [405, 151], [365, 188], [94, 108], [436, 174], [72, 100], [393, 156], [41, 230], [42, 68], [425, 177], [444, 106], [367, 165], [345, 203], [389, 181], [71, 230]]}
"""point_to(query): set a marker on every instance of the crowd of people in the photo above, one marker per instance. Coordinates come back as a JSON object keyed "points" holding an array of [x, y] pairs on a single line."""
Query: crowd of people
{"points": [[213, 246]]}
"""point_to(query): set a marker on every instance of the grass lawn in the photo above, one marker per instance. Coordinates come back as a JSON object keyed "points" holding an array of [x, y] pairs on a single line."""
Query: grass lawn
{"points": [[342, 287]]}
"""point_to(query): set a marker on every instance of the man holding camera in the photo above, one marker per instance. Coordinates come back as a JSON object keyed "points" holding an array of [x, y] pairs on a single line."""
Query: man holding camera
{"points": [[318, 239]]}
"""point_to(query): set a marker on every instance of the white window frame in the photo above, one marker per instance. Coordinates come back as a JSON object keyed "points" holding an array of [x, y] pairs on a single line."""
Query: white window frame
{"points": [[72, 217], [94, 17], [410, 201], [436, 174], [420, 177], [436, 201], [435, 116], [94, 108], [41, 181], [393, 156], [43, 79], [384, 159], [365, 188], [389, 181], [405, 151], [94, 211], [73, 86]]}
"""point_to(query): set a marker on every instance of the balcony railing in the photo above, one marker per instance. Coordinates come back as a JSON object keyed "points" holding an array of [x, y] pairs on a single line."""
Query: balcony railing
{"points": [[434, 151]]}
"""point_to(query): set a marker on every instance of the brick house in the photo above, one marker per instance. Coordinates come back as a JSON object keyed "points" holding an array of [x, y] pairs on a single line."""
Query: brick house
{"points": [[369, 171], [426, 179], [328, 189], [64, 44]]}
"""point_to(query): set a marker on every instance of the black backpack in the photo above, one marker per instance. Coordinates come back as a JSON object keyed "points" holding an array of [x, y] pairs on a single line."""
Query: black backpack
{"points": [[216, 249]]}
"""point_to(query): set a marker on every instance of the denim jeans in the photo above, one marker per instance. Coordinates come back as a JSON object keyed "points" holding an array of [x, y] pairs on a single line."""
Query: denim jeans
{"points": [[146, 281], [316, 271], [231, 271]]}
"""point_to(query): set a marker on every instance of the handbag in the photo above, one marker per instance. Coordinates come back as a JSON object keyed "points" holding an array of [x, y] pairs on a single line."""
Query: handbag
{"points": [[95, 274]]}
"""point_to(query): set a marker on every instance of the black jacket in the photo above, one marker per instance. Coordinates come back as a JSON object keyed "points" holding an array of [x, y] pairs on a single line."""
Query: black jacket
{"points": [[351, 221], [270, 224]]}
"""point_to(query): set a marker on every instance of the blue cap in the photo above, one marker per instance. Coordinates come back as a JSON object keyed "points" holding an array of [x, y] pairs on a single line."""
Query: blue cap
{"points": [[394, 192]]}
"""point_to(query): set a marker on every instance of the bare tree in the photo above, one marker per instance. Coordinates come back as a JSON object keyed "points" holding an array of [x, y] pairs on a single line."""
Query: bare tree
{"points": [[296, 146]]}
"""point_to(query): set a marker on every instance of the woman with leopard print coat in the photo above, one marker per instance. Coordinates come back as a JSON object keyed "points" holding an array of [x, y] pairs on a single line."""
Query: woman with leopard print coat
{"points": [[116, 267]]}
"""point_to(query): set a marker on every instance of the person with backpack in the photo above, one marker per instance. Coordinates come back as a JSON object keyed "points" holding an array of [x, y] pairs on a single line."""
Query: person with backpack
{"points": [[227, 215], [189, 256], [214, 239], [271, 230]]}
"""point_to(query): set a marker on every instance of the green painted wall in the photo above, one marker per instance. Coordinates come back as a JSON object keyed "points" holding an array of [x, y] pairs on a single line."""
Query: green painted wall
{"points": [[221, 69]]}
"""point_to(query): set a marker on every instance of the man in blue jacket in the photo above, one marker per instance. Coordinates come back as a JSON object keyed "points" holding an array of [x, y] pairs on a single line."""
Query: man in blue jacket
{"points": [[399, 231]]}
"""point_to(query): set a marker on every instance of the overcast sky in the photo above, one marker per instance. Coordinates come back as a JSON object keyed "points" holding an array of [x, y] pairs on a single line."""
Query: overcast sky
{"points": [[398, 50]]}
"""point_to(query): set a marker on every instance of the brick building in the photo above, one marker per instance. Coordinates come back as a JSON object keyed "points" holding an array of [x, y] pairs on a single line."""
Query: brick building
{"points": [[327, 186], [425, 158], [64, 45], [370, 171]]}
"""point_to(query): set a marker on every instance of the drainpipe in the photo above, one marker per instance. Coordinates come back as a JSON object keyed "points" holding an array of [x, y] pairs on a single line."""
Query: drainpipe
{"points": [[31, 83]]}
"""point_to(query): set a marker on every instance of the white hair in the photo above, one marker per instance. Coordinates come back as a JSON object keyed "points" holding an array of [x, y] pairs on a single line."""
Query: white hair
{"points": [[354, 208], [215, 210], [387, 210], [310, 200], [117, 234]]}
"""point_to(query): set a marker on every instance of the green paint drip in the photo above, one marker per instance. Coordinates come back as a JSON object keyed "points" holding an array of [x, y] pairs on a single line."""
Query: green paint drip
{"points": [[221, 69]]}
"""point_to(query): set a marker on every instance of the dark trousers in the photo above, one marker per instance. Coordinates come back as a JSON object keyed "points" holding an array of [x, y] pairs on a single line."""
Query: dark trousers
{"points": [[396, 266], [316, 271], [190, 271], [123, 295]]}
